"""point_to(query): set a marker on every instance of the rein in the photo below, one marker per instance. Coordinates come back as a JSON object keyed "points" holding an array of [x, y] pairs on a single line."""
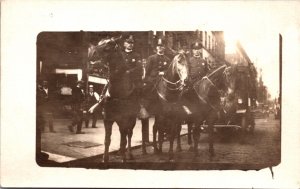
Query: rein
{"points": [[209, 75], [169, 82], [212, 83]]}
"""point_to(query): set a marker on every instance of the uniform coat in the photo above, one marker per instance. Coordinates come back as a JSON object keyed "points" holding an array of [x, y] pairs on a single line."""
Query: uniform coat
{"points": [[156, 63], [197, 68], [133, 63]]}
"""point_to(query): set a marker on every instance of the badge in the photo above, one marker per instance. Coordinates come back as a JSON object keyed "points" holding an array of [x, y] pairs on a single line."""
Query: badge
{"points": [[165, 63], [133, 60], [203, 64]]}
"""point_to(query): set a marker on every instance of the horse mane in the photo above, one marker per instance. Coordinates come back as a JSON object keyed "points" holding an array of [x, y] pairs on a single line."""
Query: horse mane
{"points": [[174, 64]]}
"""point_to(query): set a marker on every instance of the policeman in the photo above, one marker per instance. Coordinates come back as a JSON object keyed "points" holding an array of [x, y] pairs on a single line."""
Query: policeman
{"points": [[198, 67], [157, 64], [134, 66], [132, 61]]}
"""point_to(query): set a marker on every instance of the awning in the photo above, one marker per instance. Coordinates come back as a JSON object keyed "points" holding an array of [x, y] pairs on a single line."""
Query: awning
{"points": [[97, 80], [78, 72]]}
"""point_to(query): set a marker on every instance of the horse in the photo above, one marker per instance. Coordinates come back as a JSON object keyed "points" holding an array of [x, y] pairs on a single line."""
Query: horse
{"points": [[169, 88], [203, 101], [120, 106]]}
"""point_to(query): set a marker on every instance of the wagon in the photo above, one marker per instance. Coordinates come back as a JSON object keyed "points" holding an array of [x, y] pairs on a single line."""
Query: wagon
{"points": [[241, 118]]}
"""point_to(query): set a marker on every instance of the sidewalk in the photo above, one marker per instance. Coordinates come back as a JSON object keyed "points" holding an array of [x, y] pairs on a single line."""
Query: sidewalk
{"points": [[64, 146]]}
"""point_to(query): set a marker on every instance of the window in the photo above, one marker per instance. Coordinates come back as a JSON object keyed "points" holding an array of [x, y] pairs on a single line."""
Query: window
{"points": [[201, 36], [205, 40], [209, 43]]}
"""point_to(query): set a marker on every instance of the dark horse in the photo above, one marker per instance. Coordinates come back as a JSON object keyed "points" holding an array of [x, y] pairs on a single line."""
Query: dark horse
{"points": [[203, 101], [120, 106], [169, 89]]}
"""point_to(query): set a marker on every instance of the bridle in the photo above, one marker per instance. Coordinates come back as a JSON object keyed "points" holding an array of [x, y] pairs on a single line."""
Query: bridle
{"points": [[172, 86]]}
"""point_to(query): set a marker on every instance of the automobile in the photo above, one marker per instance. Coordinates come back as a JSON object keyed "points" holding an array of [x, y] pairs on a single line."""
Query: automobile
{"points": [[261, 111]]}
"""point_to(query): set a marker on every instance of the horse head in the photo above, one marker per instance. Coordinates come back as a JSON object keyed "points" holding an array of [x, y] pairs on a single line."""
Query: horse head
{"points": [[171, 85], [179, 67], [104, 48]]}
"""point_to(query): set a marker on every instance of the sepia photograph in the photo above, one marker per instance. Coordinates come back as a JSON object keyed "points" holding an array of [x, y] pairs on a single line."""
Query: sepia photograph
{"points": [[166, 100], [176, 94]]}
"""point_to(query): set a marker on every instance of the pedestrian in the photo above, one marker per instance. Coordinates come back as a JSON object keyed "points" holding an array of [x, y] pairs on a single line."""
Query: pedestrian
{"points": [[78, 107], [45, 107], [92, 98], [198, 67]]}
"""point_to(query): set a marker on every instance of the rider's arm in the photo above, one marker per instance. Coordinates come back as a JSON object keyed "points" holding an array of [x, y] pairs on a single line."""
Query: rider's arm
{"points": [[97, 96]]}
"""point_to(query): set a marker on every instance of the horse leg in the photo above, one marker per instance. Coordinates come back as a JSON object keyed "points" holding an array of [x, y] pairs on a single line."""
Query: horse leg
{"points": [[129, 134], [108, 130], [210, 124], [211, 140], [161, 135], [171, 139], [196, 137], [175, 128], [155, 132], [145, 134], [123, 142], [178, 130], [190, 127]]}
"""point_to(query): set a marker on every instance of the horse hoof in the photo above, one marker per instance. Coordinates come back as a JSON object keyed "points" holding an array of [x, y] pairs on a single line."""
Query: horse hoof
{"points": [[105, 159]]}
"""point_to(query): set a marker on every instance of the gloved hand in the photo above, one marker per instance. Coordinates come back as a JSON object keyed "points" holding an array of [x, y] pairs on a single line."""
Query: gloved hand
{"points": [[161, 73]]}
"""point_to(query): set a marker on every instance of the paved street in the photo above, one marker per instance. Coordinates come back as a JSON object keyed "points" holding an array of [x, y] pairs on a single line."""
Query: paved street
{"points": [[262, 149], [65, 146]]}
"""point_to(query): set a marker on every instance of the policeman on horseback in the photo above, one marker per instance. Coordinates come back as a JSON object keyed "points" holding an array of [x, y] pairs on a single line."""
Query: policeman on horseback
{"points": [[198, 67], [157, 63], [156, 66], [132, 61]]}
